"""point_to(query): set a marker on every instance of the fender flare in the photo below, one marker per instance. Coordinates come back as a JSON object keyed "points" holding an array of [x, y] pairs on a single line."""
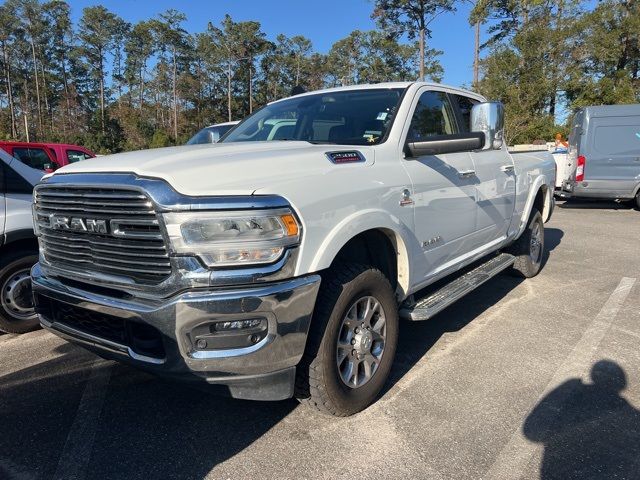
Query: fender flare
{"points": [[360, 222], [535, 186], [17, 235]]}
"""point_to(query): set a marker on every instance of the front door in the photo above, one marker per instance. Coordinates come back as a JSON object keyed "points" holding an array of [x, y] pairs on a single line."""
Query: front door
{"points": [[444, 188]]}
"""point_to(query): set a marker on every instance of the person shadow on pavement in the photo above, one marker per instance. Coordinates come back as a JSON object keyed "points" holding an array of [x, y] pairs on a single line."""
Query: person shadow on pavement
{"points": [[588, 431]]}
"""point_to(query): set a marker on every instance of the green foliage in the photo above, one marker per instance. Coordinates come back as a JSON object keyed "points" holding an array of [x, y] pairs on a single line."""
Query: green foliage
{"points": [[160, 139], [542, 54]]}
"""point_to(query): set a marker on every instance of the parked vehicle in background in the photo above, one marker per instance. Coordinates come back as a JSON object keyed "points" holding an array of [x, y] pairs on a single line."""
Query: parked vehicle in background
{"points": [[604, 150], [68, 153], [281, 267], [211, 134], [18, 245], [47, 157]]}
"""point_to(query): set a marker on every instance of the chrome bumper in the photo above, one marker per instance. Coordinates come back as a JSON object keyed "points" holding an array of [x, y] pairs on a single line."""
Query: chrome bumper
{"points": [[264, 370]]}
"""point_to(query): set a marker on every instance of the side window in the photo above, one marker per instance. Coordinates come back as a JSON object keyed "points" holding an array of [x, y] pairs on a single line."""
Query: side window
{"points": [[433, 117], [465, 104], [76, 155], [34, 157], [14, 182]]}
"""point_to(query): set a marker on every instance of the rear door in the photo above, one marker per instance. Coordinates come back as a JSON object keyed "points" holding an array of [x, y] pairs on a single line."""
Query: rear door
{"points": [[613, 152], [495, 183]]}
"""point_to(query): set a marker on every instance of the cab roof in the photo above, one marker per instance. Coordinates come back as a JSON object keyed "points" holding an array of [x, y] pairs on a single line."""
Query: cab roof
{"points": [[388, 85]]}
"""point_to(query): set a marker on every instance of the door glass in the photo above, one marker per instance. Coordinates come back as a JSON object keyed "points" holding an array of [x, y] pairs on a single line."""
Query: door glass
{"points": [[433, 117], [34, 157], [465, 104], [76, 155]]}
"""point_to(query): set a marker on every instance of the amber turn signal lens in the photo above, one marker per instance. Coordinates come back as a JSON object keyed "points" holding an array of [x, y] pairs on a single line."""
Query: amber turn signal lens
{"points": [[290, 224]]}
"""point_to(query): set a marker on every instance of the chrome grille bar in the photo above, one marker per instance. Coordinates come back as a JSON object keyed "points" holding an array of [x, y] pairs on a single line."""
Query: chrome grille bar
{"points": [[128, 241]]}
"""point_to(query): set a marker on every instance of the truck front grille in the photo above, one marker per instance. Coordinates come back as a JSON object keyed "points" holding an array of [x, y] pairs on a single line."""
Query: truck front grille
{"points": [[113, 231]]}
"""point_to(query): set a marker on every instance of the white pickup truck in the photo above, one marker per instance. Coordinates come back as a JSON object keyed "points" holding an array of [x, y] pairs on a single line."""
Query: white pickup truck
{"points": [[279, 262]]}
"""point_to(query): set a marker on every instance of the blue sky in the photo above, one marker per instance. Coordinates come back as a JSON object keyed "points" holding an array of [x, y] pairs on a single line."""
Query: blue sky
{"points": [[323, 22]]}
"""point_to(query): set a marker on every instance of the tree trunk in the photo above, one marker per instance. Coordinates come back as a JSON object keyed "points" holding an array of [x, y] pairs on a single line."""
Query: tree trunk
{"points": [[142, 69], [250, 86], [101, 67], [422, 38], [476, 56], [12, 111], [175, 96], [45, 95], [65, 84], [35, 73], [229, 90]]}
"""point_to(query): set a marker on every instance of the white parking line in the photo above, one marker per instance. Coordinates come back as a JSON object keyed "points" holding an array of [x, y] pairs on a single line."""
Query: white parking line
{"points": [[76, 454], [515, 456]]}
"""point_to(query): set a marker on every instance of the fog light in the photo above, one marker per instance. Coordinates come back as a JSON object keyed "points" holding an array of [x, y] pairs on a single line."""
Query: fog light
{"points": [[238, 325], [201, 344]]}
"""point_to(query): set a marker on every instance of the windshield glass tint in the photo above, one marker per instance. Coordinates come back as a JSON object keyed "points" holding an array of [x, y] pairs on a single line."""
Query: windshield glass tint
{"points": [[355, 117]]}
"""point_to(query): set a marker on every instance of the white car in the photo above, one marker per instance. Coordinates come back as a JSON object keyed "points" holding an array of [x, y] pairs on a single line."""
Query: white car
{"points": [[279, 266], [18, 245]]}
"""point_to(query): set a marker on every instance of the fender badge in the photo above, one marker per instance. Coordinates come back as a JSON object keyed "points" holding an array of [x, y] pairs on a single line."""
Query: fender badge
{"points": [[352, 156]]}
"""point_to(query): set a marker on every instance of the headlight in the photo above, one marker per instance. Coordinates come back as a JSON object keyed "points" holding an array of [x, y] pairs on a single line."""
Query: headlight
{"points": [[233, 238]]}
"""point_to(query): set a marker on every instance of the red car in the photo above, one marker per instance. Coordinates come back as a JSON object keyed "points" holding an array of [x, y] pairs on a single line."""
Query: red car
{"points": [[46, 156]]}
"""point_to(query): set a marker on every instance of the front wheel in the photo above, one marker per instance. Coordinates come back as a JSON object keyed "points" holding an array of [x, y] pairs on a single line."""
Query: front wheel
{"points": [[16, 303], [352, 341], [529, 248]]}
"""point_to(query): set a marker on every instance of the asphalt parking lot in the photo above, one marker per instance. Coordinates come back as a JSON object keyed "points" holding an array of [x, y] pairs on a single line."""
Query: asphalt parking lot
{"points": [[521, 379]]}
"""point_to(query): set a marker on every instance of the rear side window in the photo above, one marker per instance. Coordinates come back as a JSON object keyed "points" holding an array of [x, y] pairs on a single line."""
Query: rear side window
{"points": [[76, 155], [465, 104], [617, 135], [34, 157], [433, 116], [14, 182]]}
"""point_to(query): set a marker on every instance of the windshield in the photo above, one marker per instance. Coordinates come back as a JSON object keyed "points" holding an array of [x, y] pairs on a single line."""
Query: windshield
{"points": [[209, 134], [352, 117]]}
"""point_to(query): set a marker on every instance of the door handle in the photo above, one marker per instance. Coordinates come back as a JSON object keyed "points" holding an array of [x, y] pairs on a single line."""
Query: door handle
{"points": [[507, 168], [466, 173]]}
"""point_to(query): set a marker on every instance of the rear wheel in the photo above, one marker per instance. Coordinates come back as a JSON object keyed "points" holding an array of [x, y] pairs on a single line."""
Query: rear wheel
{"points": [[352, 341], [16, 302], [637, 201], [529, 248]]}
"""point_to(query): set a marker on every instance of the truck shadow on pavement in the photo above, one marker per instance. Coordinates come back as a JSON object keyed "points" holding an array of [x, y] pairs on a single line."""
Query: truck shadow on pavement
{"points": [[588, 429], [594, 204], [147, 428], [154, 428], [417, 338]]}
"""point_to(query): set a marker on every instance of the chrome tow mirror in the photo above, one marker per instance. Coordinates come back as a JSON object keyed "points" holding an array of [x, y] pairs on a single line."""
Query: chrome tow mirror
{"points": [[488, 118]]}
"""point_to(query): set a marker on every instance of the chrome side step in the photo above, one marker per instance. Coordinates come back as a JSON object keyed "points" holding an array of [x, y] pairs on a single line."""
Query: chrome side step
{"points": [[437, 301]]}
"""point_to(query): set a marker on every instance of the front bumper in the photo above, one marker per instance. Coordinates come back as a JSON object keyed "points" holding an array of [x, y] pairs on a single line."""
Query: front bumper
{"points": [[158, 336]]}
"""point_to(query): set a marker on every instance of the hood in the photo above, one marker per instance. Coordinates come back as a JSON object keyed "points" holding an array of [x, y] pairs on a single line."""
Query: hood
{"points": [[222, 169]]}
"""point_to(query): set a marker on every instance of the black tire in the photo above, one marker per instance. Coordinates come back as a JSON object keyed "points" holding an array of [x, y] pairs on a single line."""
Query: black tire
{"points": [[15, 293], [319, 379], [529, 259], [636, 202]]}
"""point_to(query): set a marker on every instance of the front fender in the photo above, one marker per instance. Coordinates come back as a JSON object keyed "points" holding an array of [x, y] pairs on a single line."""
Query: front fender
{"points": [[357, 223]]}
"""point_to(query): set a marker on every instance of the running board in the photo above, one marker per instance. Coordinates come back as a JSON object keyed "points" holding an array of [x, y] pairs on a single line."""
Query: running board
{"points": [[437, 301]]}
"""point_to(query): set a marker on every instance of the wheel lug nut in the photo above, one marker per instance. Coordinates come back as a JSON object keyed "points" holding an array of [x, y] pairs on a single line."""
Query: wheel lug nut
{"points": [[353, 341], [353, 352], [357, 330]]}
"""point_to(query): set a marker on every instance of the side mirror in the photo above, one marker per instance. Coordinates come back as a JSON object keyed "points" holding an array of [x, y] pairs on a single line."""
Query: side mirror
{"points": [[488, 118]]}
